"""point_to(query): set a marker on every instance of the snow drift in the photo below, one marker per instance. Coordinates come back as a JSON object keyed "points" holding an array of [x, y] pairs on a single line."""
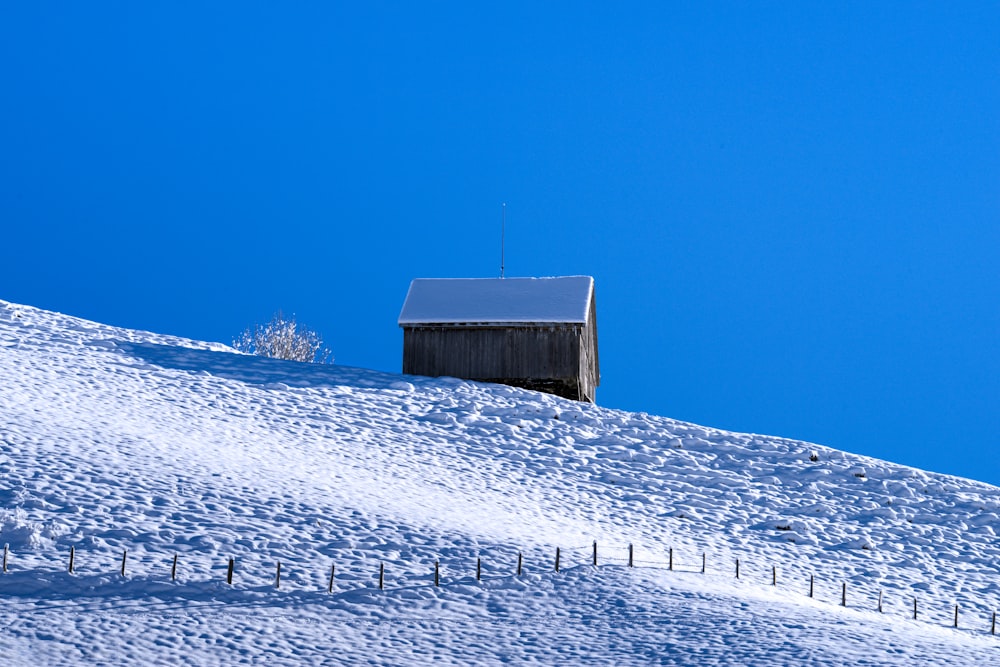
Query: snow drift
{"points": [[125, 443]]}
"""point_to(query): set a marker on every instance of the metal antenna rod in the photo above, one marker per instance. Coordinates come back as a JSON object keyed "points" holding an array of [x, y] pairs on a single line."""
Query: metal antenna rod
{"points": [[503, 230]]}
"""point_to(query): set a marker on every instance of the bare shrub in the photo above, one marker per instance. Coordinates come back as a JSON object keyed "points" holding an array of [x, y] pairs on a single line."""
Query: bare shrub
{"points": [[283, 338]]}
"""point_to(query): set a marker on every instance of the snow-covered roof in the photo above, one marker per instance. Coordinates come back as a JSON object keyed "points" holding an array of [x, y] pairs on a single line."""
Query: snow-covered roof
{"points": [[497, 300]]}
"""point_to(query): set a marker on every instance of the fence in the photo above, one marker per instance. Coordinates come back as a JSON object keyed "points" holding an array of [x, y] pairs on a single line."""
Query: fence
{"points": [[562, 558]]}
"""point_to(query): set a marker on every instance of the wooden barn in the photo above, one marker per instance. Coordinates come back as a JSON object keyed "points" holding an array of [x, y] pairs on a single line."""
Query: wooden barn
{"points": [[536, 333]]}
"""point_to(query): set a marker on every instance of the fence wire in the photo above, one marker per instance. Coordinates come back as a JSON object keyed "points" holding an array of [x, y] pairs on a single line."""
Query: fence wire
{"points": [[466, 564]]}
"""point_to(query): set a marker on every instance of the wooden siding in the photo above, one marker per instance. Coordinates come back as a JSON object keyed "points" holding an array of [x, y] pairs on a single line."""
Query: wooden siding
{"points": [[492, 352], [556, 359], [590, 364], [559, 359]]}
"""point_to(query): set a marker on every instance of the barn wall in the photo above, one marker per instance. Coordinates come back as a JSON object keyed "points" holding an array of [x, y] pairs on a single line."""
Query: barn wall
{"points": [[493, 353], [590, 365]]}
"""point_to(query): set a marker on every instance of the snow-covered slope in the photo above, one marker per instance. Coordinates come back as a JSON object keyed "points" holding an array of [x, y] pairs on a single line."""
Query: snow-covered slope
{"points": [[115, 440]]}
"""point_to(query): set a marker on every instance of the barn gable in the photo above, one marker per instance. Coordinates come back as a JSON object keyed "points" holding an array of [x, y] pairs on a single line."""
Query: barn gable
{"points": [[536, 333]]}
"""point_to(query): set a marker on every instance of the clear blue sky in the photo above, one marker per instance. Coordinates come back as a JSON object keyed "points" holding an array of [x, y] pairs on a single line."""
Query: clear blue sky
{"points": [[791, 210]]}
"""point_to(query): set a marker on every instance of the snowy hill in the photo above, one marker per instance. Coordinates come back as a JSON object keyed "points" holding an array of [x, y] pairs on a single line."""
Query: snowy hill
{"points": [[114, 440]]}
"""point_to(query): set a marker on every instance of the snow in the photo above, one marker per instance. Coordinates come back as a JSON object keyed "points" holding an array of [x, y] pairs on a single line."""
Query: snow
{"points": [[114, 440], [563, 299]]}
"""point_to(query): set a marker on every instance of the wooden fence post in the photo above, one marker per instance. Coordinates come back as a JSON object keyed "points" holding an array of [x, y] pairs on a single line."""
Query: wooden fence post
{"points": [[519, 563], [914, 609], [277, 576], [5, 558], [956, 616], [72, 554], [630, 554], [811, 585], [993, 628], [737, 568], [703, 562], [173, 569], [774, 575], [329, 586], [437, 574], [124, 556], [381, 576], [479, 568], [557, 559], [229, 572], [843, 596], [595, 554], [880, 602], [670, 563]]}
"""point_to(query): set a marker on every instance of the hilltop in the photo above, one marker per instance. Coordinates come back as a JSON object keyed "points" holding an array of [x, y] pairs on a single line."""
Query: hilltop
{"points": [[115, 441]]}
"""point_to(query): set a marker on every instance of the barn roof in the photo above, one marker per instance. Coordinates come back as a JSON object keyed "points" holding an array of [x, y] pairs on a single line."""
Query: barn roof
{"points": [[564, 299]]}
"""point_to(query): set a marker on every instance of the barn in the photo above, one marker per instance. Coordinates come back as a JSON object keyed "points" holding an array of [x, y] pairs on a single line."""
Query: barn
{"points": [[535, 333]]}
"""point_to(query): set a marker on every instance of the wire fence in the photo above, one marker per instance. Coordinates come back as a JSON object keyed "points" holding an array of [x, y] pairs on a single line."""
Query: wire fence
{"points": [[459, 567]]}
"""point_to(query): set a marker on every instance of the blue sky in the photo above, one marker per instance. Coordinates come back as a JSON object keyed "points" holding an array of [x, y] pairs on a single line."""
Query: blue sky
{"points": [[791, 210]]}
